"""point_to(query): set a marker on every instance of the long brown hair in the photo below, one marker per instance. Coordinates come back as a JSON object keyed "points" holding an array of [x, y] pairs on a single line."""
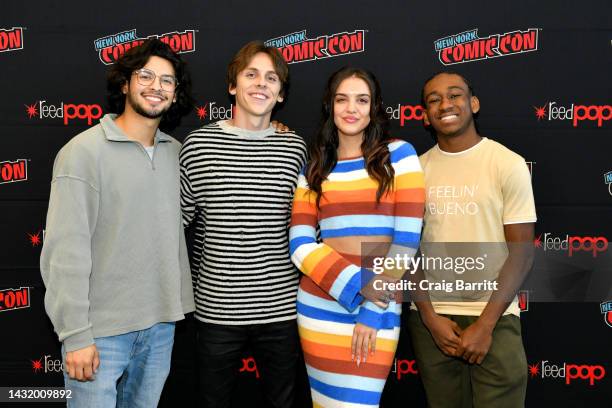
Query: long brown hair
{"points": [[323, 150]]}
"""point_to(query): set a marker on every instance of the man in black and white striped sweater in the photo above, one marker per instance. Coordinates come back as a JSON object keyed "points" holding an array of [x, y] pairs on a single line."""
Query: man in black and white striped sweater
{"points": [[237, 183]]}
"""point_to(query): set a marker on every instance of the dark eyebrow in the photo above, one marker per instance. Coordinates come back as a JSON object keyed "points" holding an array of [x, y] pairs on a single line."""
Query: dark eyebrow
{"points": [[155, 73], [449, 88], [255, 69], [359, 95]]}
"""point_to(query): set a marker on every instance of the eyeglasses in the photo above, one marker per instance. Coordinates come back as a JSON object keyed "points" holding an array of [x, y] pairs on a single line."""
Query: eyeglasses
{"points": [[146, 77]]}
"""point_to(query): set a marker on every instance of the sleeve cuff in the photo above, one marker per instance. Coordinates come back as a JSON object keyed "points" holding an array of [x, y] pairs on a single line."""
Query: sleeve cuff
{"points": [[79, 340], [350, 297], [377, 317]]}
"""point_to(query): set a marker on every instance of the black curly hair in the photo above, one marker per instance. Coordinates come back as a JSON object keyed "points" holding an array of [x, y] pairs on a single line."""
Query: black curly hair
{"points": [[136, 58]]}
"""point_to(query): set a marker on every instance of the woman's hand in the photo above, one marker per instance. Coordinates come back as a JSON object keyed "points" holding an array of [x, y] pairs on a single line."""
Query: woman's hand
{"points": [[378, 290], [364, 341]]}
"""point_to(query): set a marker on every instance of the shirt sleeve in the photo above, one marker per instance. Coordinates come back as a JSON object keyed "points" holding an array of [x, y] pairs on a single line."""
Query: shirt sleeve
{"points": [[66, 260], [409, 192], [519, 205], [188, 203], [333, 273]]}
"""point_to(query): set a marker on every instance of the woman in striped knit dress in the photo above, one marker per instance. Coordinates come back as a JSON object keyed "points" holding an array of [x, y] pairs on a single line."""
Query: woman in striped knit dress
{"points": [[360, 188]]}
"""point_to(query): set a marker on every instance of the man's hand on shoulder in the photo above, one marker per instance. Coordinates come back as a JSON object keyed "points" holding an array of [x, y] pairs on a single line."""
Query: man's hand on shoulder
{"points": [[279, 126], [83, 363]]}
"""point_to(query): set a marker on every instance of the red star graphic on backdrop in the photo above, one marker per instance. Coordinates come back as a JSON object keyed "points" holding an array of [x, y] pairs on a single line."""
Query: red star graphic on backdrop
{"points": [[534, 370], [538, 241], [201, 112], [540, 112], [36, 365], [34, 239], [31, 110]]}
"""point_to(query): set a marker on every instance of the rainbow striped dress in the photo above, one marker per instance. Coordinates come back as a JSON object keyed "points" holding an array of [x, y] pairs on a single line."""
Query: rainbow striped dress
{"points": [[329, 303]]}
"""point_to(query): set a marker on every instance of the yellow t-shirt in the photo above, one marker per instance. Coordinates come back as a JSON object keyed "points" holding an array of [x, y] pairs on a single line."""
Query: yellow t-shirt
{"points": [[469, 197]]}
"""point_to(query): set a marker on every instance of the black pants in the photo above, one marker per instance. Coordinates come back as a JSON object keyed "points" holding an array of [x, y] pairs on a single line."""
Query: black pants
{"points": [[220, 348]]}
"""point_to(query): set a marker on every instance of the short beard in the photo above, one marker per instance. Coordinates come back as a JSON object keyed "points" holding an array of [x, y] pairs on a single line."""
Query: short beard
{"points": [[138, 109]]}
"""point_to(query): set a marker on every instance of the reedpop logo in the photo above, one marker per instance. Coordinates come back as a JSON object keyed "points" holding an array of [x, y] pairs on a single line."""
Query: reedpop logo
{"points": [[576, 113], [571, 244], [568, 372], [249, 366], [523, 300], [47, 365], [67, 112], [403, 367], [35, 239], [405, 113], [214, 112]]}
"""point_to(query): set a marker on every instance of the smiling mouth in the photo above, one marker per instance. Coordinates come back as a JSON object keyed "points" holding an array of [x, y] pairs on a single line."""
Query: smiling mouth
{"points": [[259, 96], [448, 118], [154, 98]]}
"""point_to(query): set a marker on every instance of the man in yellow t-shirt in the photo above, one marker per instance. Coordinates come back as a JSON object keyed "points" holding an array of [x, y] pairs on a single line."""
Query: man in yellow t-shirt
{"points": [[470, 353]]}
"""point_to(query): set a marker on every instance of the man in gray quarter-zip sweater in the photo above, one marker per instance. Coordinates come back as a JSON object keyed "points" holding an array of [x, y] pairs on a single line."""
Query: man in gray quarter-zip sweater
{"points": [[114, 260]]}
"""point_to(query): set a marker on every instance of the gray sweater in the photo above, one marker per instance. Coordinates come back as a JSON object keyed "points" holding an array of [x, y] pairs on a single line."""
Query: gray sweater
{"points": [[114, 258]]}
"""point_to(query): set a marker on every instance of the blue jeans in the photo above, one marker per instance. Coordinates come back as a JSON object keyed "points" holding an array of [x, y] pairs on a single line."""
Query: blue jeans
{"points": [[133, 369]]}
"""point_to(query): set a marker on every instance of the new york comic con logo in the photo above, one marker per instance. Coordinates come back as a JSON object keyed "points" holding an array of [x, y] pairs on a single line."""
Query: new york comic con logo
{"points": [[111, 47], [11, 39], [297, 47], [13, 299], [13, 171], [468, 47], [606, 310], [608, 181]]}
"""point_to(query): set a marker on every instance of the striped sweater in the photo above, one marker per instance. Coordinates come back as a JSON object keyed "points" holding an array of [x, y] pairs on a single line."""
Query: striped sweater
{"points": [[348, 209], [237, 186]]}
